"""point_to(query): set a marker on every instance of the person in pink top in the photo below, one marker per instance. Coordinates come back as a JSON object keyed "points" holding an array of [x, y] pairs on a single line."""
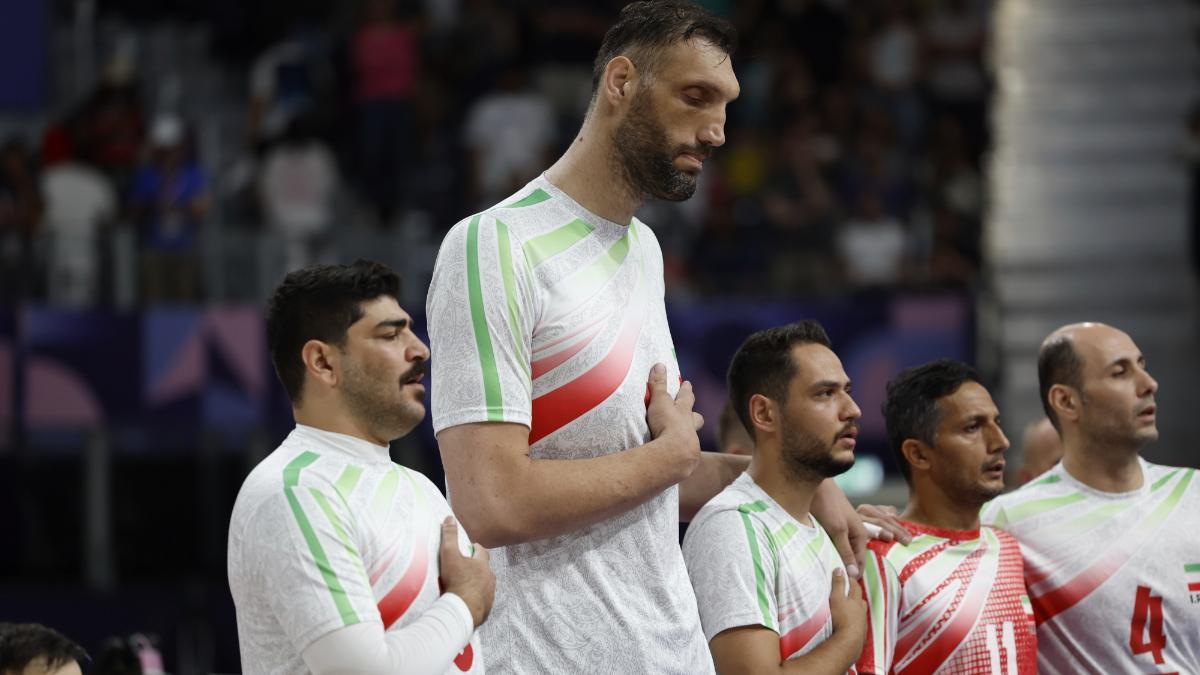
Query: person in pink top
{"points": [[385, 58]]}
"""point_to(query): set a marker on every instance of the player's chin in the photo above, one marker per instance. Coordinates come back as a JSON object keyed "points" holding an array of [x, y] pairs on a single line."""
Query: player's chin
{"points": [[990, 488]]}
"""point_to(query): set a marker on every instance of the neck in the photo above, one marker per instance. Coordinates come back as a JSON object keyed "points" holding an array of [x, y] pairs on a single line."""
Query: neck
{"points": [[929, 504], [588, 173], [1102, 466], [794, 494], [328, 416]]}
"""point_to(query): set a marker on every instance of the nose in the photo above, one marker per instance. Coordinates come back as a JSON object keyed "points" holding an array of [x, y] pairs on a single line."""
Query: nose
{"points": [[417, 351], [713, 133], [1149, 384], [851, 411], [998, 442]]}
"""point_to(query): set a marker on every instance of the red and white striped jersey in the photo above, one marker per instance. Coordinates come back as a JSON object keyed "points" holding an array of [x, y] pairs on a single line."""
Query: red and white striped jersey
{"points": [[952, 601]]}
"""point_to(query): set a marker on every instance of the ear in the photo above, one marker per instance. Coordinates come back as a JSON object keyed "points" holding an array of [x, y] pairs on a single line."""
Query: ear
{"points": [[321, 362], [764, 416], [917, 454], [1064, 401], [616, 85]]}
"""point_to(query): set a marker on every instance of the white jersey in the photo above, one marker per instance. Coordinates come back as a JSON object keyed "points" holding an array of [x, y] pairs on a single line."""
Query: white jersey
{"points": [[753, 564], [546, 315], [328, 532], [1114, 579]]}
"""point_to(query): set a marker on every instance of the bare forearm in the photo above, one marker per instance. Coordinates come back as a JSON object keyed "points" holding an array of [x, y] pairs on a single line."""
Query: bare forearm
{"points": [[714, 472], [833, 656], [524, 499]]}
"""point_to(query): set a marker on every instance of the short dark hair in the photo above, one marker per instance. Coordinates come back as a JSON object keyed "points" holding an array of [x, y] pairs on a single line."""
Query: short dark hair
{"points": [[25, 643], [320, 303], [764, 365], [911, 408], [644, 29], [1058, 363]]}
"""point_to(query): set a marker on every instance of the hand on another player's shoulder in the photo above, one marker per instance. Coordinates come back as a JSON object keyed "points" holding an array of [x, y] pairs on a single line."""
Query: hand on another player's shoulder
{"points": [[672, 419], [468, 577], [848, 611]]}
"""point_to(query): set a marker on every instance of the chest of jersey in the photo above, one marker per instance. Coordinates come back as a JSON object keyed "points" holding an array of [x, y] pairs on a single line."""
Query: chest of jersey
{"points": [[962, 607], [601, 326]]}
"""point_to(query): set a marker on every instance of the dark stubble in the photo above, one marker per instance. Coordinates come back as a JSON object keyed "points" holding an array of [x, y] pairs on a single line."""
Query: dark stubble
{"points": [[807, 457], [646, 158], [377, 400]]}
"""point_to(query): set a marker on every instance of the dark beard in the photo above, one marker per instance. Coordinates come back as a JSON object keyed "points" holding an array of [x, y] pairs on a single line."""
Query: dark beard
{"points": [[809, 458], [370, 398], [641, 151]]}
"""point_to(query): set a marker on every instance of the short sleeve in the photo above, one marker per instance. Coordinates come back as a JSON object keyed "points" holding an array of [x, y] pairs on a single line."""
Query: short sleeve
{"points": [[733, 570], [302, 560], [481, 310], [881, 590]]}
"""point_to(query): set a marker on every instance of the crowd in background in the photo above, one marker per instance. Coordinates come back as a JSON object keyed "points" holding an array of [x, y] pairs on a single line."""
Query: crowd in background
{"points": [[854, 154]]}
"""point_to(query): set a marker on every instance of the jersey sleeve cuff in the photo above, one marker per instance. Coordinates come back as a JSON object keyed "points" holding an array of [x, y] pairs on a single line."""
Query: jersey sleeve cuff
{"points": [[464, 622]]}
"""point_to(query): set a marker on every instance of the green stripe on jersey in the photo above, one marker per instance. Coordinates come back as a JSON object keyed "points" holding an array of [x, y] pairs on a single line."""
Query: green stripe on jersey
{"points": [[1048, 480], [341, 532], [588, 281], [1039, 506], [876, 589], [784, 534], [483, 342], [760, 580], [546, 246], [510, 293], [348, 481], [1191, 568], [1163, 481], [291, 478], [536, 197], [382, 498]]}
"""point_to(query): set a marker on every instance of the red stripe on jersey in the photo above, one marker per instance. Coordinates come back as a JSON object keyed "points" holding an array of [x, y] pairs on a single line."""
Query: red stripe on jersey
{"points": [[962, 614], [1194, 586], [795, 639], [555, 409], [401, 597], [594, 324], [1055, 601], [546, 364]]}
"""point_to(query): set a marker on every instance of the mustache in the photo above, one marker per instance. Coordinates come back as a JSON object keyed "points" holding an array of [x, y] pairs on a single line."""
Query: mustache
{"points": [[419, 369], [702, 151], [850, 426]]}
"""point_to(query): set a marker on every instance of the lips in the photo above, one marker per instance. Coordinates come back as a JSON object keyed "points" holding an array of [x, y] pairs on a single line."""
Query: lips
{"points": [[413, 376], [996, 467]]}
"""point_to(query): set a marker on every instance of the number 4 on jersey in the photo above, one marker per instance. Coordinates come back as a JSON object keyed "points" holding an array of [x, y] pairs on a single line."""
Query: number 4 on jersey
{"points": [[1146, 628]]}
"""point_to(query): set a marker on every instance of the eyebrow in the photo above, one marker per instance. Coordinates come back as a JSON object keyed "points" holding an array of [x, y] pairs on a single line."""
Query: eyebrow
{"points": [[711, 87], [392, 323], [1125, 361], [834, 384]]}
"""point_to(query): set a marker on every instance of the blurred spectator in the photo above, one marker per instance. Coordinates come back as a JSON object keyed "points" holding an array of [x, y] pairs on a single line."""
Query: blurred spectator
{"points": [[509, 132], [1041, 449], [955, 35], [894, 68], [801, 210], [297, 190], [169, 201], [291, 77], [20, 215], [386, 62], [135, 655], [33, 649], [111, 124], [80, 201], [872, 245]]}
